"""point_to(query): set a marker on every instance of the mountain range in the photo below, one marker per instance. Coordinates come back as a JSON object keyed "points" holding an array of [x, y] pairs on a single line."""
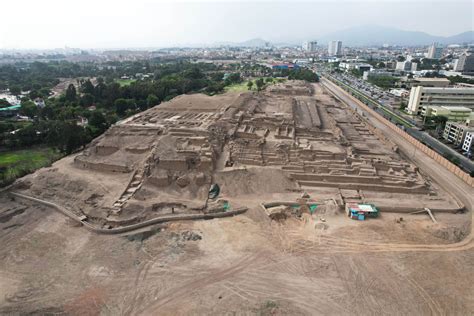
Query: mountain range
{"points": [[371, 35]]}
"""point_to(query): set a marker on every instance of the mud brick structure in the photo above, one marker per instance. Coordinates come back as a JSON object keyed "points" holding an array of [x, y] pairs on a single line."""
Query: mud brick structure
{"points": [[164, 160]]}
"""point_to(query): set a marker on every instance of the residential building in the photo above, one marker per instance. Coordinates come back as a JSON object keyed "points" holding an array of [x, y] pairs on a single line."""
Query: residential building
{"points": [[406, 66], [455, 132], [362, 67], [335, 48], [452, 113], [310, 46], [468, 141], [427, 96], [435, 51], [465, 63]]}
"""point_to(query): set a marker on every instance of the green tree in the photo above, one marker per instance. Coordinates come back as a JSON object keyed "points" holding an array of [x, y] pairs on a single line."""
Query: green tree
{"points": [[67, 136], [152, 100], [27, 136], [6, 127], [87, 99], [259, 82], [98, 123], [15, 90], [356, 72], [233, 78], [87, 87], [28, 108], [303, 74], [121, 106], [71, 93], [250, 84]]}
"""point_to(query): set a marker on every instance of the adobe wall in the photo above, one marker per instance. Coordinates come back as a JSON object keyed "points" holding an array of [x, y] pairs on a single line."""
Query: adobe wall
{"points": [[177, 165], [420, 146], [99, 166], [137, 150], [419, 189], [105, 150]]}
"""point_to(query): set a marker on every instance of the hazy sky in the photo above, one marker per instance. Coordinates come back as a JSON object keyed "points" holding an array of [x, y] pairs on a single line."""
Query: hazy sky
{"points": [[147, 23]]}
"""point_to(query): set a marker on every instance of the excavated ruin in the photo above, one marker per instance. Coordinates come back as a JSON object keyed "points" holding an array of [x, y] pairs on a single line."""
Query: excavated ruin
{"points": [[291, 137]]}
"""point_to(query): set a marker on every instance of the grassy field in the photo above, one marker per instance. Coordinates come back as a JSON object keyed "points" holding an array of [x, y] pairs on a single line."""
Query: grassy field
{"points": [[125, 82], [242, 87], [238, 87], [15, 164]]}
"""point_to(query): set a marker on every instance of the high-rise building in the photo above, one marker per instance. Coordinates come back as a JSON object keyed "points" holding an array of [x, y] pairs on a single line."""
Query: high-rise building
{"points": [[465, 63], [435, 51], [335, 48], [310, 46]]}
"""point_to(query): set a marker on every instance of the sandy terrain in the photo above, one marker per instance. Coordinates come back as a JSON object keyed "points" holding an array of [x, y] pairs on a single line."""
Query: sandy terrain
{"points": [[244, 265]]}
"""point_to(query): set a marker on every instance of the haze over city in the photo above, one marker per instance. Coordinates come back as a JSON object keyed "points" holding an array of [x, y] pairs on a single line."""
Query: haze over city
{"points": [[146, 23]]}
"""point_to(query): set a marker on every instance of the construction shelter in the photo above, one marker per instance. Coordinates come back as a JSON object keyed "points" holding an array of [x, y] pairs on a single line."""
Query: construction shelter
{"points": [[361, 211]]}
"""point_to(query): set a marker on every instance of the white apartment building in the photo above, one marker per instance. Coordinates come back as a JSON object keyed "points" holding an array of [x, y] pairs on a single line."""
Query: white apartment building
{"points": [[465, 63], [335, 48], [456, 132], [347, 66], [468, 141], [445, 97], [310, 46]]}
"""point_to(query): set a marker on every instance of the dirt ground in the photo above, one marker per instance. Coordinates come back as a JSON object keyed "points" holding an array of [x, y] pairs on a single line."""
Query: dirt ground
{"points": [[244, 265]]}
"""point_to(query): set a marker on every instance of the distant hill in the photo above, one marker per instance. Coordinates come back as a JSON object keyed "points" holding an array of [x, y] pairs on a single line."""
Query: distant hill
{"points": [[377, 35], [255, 42], [368, 35]]}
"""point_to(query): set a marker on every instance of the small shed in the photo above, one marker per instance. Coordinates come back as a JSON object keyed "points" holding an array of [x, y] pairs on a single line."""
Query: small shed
{"points": [[361, 211]]}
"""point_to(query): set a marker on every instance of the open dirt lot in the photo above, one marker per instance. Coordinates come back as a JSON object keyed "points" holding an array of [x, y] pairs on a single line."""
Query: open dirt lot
{"points": [[293, 143], [244, 265]]}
